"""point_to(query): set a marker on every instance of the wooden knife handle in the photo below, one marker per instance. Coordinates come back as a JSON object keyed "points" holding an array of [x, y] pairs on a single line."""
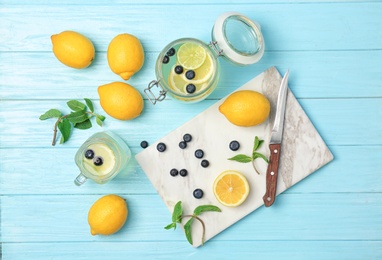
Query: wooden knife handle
{"points": [[272, 172]]}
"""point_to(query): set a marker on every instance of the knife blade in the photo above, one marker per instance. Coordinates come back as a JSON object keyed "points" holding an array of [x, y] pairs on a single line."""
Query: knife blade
{"points": [[275, 144]]}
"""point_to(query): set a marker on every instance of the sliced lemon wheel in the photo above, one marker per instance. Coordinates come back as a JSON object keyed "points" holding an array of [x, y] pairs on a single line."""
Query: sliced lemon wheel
{"points": [[177, 82], [191, 55], [231, 188], [203, 73], [107, 156]]}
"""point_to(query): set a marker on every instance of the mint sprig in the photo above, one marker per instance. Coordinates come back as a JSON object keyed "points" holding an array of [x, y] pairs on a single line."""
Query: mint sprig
{"points": [[79, 118], [177, 217], [242, 158]]}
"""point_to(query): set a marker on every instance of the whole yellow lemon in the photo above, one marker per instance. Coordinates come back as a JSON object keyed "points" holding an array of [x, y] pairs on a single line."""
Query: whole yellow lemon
{"points": [[73, 49], [246, 108], [125, 55], [107, 215], [120, 100]]}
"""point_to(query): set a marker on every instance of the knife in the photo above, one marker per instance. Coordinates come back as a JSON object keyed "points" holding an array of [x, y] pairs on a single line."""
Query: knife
{"points": [[275, 144]]}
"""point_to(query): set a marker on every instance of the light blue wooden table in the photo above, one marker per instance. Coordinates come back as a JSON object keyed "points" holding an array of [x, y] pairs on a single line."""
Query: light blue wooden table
{"points": [[334, 52]]}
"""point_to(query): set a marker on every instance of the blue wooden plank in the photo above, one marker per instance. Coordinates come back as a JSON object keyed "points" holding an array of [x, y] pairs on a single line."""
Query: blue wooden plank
{"points": [[213, 250], [343, 75], [327, 216], [285, 27], [354, 169], [179, 2], [339, 121]]}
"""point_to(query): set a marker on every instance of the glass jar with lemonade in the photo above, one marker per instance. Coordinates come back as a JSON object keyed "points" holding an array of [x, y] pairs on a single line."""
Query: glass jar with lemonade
{"points": [[188, 69]]}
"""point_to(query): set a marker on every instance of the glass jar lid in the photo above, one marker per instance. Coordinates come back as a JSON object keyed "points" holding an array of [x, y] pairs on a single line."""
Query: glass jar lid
{"points": [[238, 38]]}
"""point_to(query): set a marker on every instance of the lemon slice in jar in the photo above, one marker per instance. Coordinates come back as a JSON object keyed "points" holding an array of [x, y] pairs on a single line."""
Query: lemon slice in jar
{"points": [[191, 55], [177, 82], [204, 72]]}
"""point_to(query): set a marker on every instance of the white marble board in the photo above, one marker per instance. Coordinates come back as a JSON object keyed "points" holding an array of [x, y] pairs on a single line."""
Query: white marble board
{"points": [[303, 152]]}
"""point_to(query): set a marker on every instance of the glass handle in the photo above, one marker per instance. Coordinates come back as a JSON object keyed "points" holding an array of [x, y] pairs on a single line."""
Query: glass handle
{"points": [[151, 96], [80, 179]]}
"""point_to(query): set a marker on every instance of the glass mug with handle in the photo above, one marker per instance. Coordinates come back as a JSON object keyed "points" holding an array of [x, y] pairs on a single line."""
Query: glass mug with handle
{"points": [[101, 158]]}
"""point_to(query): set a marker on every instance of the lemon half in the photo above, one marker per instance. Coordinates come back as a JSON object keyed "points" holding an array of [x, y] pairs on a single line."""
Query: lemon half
{"points": [[231, 188]]}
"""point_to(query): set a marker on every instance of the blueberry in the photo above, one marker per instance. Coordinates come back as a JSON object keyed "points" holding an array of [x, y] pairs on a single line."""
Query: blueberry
{"points": [[190, 74], [205, 163], [190, 88], [98, 161], [183, 172], [161, 147], [182, 145], [234, 145], [89, 154], [174, 172], [171, 52], [166, 59], [178, 69], [144, 144], [198, 193], [199, 153], [187, 138]]}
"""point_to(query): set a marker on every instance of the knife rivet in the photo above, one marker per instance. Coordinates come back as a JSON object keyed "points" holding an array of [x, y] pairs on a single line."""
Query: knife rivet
{"points": [[272, 173], [269, 199], [275, 150]]}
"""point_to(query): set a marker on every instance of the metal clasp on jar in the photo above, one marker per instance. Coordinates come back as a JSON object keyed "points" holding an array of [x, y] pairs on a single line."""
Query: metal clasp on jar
{"points": [[151, 96], [214, 46]]}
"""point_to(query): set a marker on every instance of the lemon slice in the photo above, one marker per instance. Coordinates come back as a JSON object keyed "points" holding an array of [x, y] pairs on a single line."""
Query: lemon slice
{"points": [[191, 55], [231, 188], [107, 156], [177, 82], [204, 72]]}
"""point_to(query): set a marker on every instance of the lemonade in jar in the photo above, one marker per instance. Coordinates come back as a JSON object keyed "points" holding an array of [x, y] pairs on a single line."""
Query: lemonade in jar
{"points": [[188, 69]]}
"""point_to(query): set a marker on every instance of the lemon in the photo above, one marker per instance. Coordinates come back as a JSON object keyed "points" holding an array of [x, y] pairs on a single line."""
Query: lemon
{"points": [[107, 215], [191, 55], [120, 100], [73, 49], [246, 108], [125, 55], [231, 188]]}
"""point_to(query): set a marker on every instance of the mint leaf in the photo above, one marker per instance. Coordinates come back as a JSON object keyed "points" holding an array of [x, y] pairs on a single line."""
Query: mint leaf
{"points": [[259, 155], [257, 143], [177, 218], [170, 226], [241, 158], [51, 113], [99, 121], [65, 128], [83, 125], [76, 105], [80, 118], [204, 208], [101, 117], [89, 103], [187, 230], [77, 117], [177, 214]]}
